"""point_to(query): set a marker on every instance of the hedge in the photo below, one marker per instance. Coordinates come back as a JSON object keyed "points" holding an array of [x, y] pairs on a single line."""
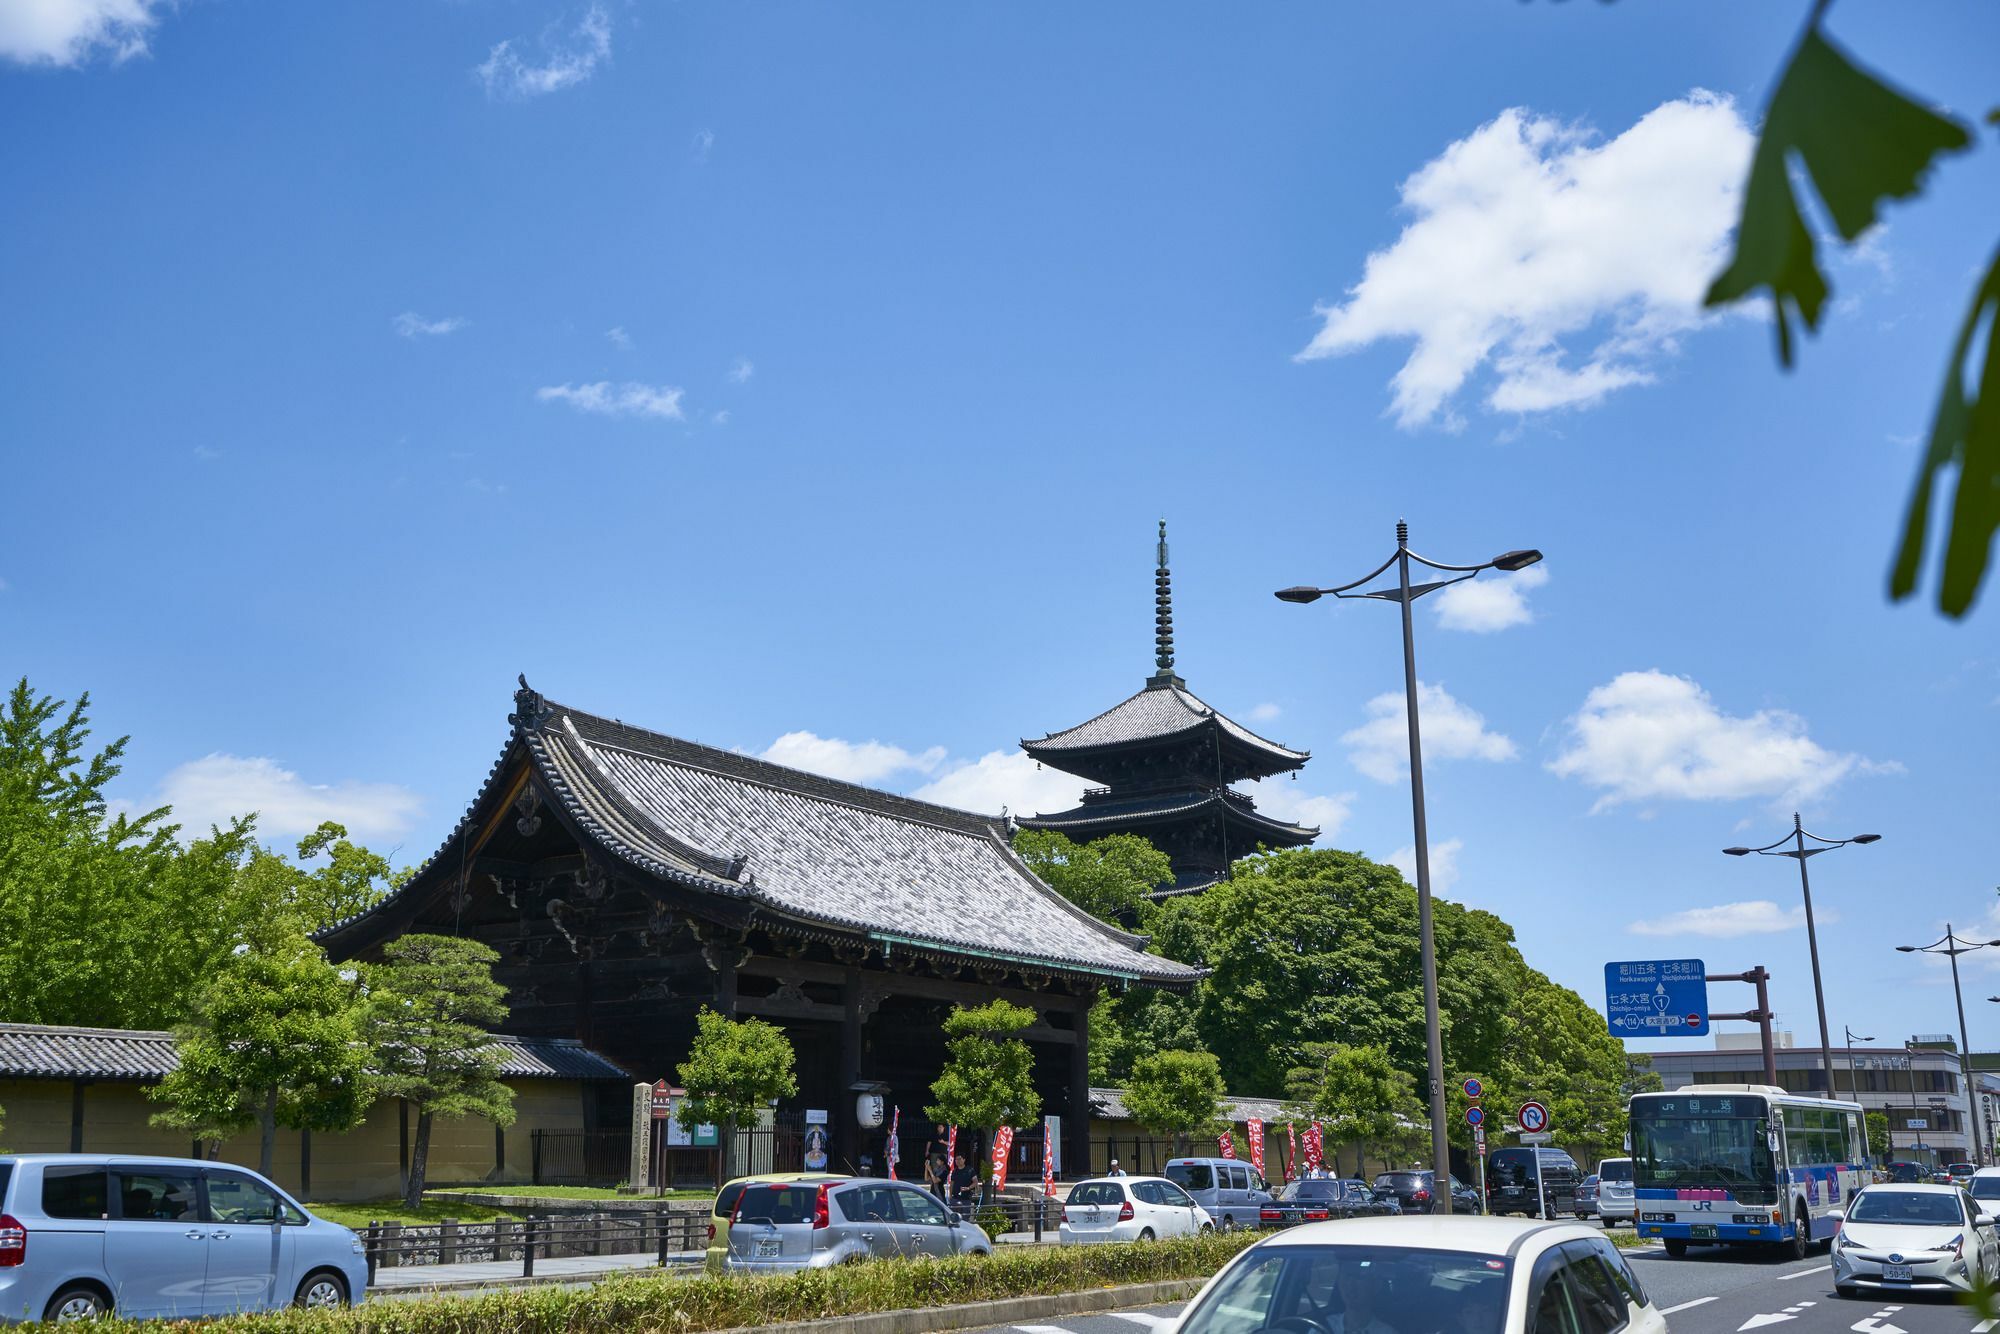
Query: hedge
{"points": [[658, 1303]]}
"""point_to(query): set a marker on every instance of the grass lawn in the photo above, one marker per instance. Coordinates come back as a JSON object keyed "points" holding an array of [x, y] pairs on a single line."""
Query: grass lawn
{"points": [[359, 1216], [571, 1193]]}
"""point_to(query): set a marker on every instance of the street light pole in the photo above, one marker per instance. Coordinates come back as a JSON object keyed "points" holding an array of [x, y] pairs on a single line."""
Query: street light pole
{"points": [[1406, 593], [1799, 850], [1853, 1081], [1952, 946]]}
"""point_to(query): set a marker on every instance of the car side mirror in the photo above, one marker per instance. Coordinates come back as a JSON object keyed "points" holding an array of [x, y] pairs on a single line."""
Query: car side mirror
{"points": [[1984, 1220], [1839, 1215]]}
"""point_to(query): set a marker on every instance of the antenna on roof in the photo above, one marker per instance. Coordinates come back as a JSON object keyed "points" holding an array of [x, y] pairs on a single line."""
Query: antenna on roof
{"points": [[1163, 615]]}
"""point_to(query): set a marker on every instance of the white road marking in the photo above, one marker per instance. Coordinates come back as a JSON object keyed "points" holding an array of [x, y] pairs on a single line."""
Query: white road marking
{"points": [[1759, 1321], [1873, 1324], [1142, 1318], [1044, 1329], [1786, 1278], [1688, 1306], [1984, 1325]]}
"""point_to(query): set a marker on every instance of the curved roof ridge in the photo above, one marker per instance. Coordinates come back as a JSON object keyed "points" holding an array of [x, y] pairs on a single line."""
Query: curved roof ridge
{"points": [[1198, 712], [1171, 803]]}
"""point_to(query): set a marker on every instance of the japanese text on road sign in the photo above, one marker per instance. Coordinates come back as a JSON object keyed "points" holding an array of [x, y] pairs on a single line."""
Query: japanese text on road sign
{"points": [[1661, 998]]}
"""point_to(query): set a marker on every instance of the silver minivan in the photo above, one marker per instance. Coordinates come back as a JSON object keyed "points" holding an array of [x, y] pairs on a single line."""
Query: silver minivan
{"points": [[1230, 1189], [779, 1226], [84, 1235]]}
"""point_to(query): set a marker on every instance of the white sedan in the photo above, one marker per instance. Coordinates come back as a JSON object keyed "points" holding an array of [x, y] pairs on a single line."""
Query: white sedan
{"points": [[1130, 1209], [1912, 1238], [1466, 1274]]}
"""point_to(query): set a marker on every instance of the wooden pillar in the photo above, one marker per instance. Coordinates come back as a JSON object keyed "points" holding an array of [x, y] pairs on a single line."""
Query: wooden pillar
{"points": [[305, 1164], [76, 1115], [725, 989], [849, 1147], [1076, 1125]]}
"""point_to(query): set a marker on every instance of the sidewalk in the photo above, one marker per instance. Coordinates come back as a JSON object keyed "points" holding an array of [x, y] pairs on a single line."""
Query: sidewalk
{"points": [[507, 1273]]}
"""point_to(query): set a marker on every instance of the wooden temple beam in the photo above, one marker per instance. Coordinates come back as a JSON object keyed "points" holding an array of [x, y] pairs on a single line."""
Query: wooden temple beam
{"points": [[902, 984]]}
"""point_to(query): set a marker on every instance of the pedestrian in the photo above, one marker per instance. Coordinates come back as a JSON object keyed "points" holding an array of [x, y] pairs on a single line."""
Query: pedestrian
{"points": [[937, 1172], [1116, 1170], [963, 1182]]}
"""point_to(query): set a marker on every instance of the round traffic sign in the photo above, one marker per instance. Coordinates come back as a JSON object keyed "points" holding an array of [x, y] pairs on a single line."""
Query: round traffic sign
{"points": [[1694, 1021], [1534, 1117], [1474, 1115], [1473, 1089]]}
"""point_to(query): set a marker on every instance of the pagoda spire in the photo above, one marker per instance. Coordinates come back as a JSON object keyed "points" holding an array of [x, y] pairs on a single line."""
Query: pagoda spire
{"points": [[1163, 617]]}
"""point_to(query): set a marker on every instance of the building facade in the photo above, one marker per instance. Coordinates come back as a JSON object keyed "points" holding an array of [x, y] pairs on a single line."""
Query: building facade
{"points": [[1918, 1087], [1165, 762]]}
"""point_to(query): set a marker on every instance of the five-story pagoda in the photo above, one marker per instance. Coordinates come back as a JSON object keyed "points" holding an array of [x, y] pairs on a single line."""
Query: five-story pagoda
{"points": [[1165, 761]]}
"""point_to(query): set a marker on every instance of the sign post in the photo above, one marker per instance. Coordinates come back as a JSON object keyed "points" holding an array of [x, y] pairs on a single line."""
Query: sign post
{"points": [[1656, 998], [1474, 1091], [1534, 1122]]}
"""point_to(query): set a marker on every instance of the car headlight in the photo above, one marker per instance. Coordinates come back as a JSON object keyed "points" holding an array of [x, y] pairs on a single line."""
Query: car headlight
{"points": [[360, 1247]]}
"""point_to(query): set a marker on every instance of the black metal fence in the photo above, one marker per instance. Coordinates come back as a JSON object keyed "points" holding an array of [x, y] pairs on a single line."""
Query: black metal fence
{"points": [[662, 1233], [580, 1157]]}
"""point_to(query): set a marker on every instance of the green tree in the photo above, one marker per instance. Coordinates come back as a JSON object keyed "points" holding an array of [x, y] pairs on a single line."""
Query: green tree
{"points": [[1176, 1093], [1108, 877], [1861, 143], [351, 880], [1878, 1136], [275, 1040], [1357, 1093], [1560, 1053], [104, 918], [431, 1003], [735, 1067], [988, 1078]]}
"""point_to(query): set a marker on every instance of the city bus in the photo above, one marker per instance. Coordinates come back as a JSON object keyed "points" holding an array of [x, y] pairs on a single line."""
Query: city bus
{"points": [[1743, 1165]]}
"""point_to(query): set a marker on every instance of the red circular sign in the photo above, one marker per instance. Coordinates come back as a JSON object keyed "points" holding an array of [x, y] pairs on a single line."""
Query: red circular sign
{"points": [[1694, 1021], [1534, 1117]]}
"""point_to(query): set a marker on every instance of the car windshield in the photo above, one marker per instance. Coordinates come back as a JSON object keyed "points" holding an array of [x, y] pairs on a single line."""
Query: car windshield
{"points": [[1983, 1188], [777, 1204], [1302, 1287], [1317, 1188], [1402, 1181], [1962, 1169], [1191, 1176], [1097, 1192], [1616, 1169], [1934, 1208], [1704, 1143]]}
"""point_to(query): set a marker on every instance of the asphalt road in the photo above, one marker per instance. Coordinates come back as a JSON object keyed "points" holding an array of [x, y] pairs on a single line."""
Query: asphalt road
{"points": [[1707, 1291]]}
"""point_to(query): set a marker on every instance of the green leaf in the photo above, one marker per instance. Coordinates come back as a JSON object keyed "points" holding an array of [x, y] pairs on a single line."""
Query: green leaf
{"points": [[1859, 140], [1965, 432]]}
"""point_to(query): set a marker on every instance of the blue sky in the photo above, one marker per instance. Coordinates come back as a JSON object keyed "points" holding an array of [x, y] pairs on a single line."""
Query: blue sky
{"points": [[818, 373]]}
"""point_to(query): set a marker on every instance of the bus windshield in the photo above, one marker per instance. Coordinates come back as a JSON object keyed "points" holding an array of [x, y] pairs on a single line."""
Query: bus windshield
{"points": [[1704, 1142]]}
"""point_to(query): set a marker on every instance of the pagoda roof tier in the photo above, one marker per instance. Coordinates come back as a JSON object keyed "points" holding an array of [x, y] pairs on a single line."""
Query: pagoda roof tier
{"points": [[794, 852], [1115, 812], [1164, 712]]}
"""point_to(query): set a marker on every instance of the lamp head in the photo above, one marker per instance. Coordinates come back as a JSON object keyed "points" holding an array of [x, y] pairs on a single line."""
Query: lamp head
{"points": [[1516, 560], [1736, 852], [1300, 595], [1866, 838], [1906, 949]]}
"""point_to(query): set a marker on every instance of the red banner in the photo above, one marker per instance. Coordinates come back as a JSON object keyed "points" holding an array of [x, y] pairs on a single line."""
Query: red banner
{"points": [[1255, 1131], [1292, 1153], [1315, 1145], [1048, 1156], [1226, 1144], [950, 1154], [1003, 1140]]}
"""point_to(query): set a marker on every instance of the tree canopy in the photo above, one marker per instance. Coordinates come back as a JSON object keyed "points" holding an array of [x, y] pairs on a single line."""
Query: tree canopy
{"points": [[1176, 1093], [734, 1067], [1108, 877], [988, 1076]]}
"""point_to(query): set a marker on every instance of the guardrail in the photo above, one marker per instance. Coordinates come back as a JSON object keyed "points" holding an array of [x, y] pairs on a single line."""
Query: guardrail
{"points": [[663, 1233]]}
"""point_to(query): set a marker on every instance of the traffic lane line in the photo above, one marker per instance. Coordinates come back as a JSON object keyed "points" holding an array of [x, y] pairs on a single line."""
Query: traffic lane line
{"points": [[1687, 1306], [1786, 1278]]}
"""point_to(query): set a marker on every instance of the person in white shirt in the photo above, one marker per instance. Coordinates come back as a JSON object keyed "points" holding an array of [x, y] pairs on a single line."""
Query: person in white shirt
{"points": [[1116, 1170]]}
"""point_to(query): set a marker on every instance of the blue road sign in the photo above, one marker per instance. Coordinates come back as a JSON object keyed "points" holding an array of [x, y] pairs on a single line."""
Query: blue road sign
{"points": [[1474, 1116], [1473, 1088], [1657, 998]]}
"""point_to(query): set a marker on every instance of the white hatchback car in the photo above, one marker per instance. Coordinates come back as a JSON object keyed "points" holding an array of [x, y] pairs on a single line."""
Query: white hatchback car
{"points": [[1130, 1209], [1914, 1238], [1471, 1275]]}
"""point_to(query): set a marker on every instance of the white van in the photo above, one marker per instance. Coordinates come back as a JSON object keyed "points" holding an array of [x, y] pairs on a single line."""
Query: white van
{"points": [[1615, 1203], [1230, 1189]]}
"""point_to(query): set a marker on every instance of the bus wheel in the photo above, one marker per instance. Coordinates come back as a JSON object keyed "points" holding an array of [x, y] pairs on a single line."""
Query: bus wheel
{"points": [[1801, 1238], [1676, 1247]]}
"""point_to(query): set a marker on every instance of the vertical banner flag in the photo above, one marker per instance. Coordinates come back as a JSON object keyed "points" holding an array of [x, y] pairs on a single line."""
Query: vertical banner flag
{"points": [[1315, 1146], [950, 1151], [895, 1149], [1003, 1140], [1255, 1131], [1292, 1153], [1048, 1157], [1226, 1144]]}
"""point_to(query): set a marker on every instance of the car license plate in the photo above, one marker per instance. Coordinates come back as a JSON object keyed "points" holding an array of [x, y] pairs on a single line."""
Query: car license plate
{"points": [[1896, 1273], [1702, 1231], [766, 1247]]}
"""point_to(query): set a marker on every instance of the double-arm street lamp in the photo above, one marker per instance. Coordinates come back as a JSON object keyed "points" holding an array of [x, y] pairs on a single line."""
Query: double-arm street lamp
{"points": [[1849, 1038], [1801, 850], [1953, 946], [1405, 593]]}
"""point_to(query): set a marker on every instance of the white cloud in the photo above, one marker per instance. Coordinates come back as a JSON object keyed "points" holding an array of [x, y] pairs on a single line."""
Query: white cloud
{"points": [[1647, 735], [851, 761], [217, 788], [1444, 863], [70, 32], [411, 325], [1755, 917], [720, 417], [704, 140], [1281, 799], [1530, 234], [1264, 713], [619, 338], [1003, 780], [741, 372], [570, 60], [621, 400], [1380, 747], [1486, 604]]}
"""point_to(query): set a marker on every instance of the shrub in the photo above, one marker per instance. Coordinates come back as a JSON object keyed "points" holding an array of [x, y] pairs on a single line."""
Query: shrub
{"points": [[994, 1222]]}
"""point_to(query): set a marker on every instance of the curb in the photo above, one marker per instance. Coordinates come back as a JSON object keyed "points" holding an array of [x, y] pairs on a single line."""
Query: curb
{"points": [[1007, 1311]]}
